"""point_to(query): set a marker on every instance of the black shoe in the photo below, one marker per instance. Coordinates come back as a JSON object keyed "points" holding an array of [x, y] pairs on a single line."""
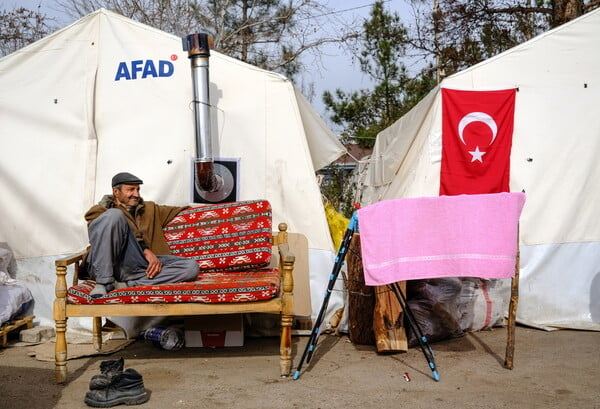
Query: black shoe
{"points": [[108, 369], [126, 388]]}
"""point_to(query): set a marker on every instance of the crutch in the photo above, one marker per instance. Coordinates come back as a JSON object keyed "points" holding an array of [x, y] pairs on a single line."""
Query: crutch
{"points": [[339, 261], [414, 325]]}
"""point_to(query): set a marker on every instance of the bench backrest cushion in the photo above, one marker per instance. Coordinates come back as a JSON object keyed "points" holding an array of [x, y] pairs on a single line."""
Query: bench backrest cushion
{"points": [[223, 237]]}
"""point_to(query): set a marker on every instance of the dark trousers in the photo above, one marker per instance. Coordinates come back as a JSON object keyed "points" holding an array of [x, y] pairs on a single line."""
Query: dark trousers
{"points": [[115, 254]]}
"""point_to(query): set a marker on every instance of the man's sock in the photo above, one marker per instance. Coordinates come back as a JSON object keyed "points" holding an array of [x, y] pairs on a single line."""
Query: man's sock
{"points": [[119, 285], [100, 290]]}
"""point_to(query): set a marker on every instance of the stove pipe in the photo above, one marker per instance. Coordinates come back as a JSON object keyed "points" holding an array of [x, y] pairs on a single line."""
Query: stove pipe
{"points": [[198, 48]]}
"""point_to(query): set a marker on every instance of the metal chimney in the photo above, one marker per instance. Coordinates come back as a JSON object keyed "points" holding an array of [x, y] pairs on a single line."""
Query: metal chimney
{"points": [[198, 48]]}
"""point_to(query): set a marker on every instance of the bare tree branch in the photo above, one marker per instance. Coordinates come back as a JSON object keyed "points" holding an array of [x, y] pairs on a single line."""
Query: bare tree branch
{"points": [[272, 34]]}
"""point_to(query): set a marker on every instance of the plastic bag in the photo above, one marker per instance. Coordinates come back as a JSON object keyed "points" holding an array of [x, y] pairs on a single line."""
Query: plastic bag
{"points": [[435, 305], [483, 303], [338, 224]]}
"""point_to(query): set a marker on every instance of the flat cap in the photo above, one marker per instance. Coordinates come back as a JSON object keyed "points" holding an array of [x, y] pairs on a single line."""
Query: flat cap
{"points": [[125, 178]]}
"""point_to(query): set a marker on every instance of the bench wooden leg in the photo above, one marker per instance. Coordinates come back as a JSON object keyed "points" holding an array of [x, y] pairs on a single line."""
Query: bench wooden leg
{"points": [[97, 333], [60, 319], [60, 352], [285, 348]]}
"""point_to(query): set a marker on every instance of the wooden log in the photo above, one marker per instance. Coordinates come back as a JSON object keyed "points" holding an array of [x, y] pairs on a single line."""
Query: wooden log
{"points": [[361, 298], [388, 321]]}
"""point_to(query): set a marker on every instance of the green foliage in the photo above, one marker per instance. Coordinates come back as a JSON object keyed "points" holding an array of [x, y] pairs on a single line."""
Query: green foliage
{"points": [[364, 113], [337, 189], [254, 30]]}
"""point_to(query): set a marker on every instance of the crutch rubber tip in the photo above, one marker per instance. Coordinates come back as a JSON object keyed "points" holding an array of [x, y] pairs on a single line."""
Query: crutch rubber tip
{"points": [[296, 375]]}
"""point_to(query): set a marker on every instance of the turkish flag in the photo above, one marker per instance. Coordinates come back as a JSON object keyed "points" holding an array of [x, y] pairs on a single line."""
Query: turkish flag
{"points": [[477, 128]]}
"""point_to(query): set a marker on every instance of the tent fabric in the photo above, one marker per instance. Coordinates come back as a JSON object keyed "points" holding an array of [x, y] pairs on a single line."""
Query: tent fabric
{"points": [[107, 94], [323, 151], [69, 123], [555, 142]]}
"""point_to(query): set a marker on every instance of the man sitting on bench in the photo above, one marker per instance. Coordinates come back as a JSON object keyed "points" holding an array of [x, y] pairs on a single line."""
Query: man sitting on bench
{"points": [[127, 245]]}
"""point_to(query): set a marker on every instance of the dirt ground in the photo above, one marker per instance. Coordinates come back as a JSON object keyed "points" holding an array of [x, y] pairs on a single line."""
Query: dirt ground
{"points": [[558, 369]]}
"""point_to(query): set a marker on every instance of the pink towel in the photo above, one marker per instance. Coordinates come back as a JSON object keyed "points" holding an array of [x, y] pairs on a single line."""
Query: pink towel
{"points": [[444, 236]]}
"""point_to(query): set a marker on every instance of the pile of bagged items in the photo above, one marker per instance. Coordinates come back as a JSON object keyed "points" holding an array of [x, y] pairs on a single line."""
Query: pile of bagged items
{"points": [[448, 307], [115, 386], [15, 298]]}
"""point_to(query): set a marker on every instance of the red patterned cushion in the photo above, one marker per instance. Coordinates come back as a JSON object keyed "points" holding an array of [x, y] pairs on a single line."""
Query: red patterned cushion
{"points": [[223, 237], [209, 288]]}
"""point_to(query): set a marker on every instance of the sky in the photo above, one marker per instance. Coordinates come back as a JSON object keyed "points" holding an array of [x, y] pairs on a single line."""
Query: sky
{"points": [[336, 69], [339, 71]]}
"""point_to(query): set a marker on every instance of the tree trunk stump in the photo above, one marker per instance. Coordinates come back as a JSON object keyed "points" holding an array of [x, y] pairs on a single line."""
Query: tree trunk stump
{"points": [[361, 298]]}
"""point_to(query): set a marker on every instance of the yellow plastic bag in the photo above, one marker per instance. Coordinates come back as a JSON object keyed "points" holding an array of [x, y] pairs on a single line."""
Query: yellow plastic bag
{"points": [[338, 224]]}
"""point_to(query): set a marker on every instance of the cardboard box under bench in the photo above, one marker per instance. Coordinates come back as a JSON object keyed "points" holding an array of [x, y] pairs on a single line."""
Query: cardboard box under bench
{"points": [[226, 330]]}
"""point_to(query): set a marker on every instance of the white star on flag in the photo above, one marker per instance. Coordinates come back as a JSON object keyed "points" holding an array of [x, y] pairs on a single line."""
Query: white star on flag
{"points": [[477, 155]]}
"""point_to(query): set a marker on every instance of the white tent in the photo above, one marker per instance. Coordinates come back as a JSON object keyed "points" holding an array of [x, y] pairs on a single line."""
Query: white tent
{"points": [[107, 94], [556, 142]]}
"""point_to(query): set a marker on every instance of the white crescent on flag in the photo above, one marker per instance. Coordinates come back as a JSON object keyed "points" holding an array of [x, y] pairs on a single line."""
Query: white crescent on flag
{"points": [[477, 117]]}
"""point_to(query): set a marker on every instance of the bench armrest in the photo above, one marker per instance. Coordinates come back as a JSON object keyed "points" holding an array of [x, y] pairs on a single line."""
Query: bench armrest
{"points": [[63, 263]]}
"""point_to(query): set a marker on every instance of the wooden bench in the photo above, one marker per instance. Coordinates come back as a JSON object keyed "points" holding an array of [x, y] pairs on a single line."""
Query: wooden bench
{"points": [[281, 304]]}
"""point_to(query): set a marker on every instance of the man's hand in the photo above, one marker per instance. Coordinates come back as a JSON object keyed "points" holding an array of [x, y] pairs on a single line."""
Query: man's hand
{"points": [[154, 264]]}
